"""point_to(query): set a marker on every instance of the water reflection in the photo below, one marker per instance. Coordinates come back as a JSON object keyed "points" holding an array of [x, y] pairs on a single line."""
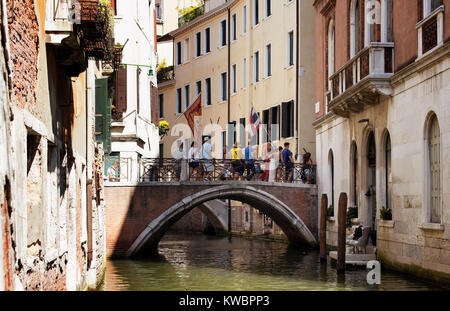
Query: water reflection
{"points": [[198, 262]]}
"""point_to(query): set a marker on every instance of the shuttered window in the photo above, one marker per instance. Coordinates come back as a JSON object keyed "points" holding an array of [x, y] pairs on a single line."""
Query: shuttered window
{"points": [[121, 93], [103, 114]]}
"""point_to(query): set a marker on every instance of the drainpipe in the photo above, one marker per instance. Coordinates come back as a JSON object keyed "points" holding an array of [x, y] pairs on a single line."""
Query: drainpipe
{"points": [[229, 100], [297, 21]]}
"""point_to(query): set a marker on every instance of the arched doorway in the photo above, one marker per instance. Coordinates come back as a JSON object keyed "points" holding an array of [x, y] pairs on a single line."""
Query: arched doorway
{"points": [[371, 186]]}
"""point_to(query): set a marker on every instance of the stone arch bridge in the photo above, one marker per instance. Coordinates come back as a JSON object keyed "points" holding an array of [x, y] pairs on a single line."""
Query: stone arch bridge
{"points": [[138, 216]]}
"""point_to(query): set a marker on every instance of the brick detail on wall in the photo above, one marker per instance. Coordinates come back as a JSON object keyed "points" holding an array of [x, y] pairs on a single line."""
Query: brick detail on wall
{"points": [[24, 49]]}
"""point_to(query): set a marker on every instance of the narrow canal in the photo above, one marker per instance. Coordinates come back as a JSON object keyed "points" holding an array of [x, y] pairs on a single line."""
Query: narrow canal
{"points": [[199, 262]]}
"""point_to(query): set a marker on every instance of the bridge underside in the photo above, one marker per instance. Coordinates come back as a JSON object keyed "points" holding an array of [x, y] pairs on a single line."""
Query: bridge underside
{"points": [[138, 216]]}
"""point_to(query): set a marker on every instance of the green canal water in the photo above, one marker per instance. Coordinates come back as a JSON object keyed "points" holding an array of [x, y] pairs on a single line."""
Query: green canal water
{"points": [[210, 263]]}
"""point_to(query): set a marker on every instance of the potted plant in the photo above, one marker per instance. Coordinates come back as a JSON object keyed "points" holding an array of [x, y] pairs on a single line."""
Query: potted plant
{"points": [[352, 212], [163, 128], [386, 213]]}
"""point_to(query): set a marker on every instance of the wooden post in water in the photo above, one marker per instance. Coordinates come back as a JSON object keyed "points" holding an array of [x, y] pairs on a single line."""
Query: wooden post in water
{"points": [[342, 216], [323, 228]]}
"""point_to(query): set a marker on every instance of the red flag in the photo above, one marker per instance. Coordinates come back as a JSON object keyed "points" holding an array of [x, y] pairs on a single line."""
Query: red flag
{"points": [[193, 111], [254, 121]]}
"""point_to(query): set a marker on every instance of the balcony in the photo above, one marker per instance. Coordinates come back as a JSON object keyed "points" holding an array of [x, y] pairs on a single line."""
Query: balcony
{"points": [[95, 28], [361, 80], [166, 76], [58, 21], [430, 32]]}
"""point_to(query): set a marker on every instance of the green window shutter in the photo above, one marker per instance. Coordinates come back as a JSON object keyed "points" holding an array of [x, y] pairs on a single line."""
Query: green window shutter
{"points": [[103, 114]]}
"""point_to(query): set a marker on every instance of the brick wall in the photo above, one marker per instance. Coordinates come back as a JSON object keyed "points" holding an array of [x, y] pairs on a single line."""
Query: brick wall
{"points": [[130, 209], [24, 49]]}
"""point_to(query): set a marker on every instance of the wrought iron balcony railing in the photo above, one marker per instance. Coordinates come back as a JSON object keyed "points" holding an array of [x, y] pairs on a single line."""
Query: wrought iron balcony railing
{"points": [[173, 170], [361, 79]]}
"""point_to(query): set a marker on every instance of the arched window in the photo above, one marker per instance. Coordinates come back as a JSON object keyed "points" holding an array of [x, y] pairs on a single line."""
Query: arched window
{"points": [[434, 164], [355, 27], [354, 173], [331, 48], [388, 172], [331, 175]]}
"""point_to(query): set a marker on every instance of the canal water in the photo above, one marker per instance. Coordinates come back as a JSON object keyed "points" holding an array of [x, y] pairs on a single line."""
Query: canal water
{"points": [[209, 263]]}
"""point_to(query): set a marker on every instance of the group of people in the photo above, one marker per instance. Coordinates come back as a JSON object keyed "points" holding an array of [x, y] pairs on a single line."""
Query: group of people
{"points": [[242, 162]]}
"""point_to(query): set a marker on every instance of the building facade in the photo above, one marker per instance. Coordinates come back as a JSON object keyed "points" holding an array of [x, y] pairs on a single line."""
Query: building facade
{"points": [[134, 124], [238, 55], [52, 198], [382, 124]]}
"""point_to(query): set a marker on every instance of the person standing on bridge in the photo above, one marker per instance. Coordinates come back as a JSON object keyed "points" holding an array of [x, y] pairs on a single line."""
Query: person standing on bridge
{"points": [[238, 166], [194, 160], [249, 162], [178, 156], [208, 166], [288, 161]]}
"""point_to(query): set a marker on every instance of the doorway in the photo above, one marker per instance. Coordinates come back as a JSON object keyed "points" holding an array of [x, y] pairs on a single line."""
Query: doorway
{"points": [[371, 184]]}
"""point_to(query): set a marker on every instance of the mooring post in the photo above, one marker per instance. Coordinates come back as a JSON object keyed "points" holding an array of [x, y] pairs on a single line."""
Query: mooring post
{"points": [[323, 228], [342, 216]]}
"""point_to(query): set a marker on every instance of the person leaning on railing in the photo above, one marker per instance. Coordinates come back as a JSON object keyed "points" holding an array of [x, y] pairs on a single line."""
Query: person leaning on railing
{"points": [[307, 170], [112, 172], [249, 162]]}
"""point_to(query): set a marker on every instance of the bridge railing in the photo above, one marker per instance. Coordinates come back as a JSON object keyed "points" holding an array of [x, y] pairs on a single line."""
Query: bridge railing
{"points": [[173, 170]]}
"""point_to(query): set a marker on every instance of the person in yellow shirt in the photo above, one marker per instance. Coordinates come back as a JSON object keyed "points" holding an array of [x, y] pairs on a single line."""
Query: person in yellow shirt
{"points": [[236, 161]]}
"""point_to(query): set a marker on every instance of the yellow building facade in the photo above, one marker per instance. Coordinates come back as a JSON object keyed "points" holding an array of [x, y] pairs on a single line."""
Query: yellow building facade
{"points": [[239, 55]]}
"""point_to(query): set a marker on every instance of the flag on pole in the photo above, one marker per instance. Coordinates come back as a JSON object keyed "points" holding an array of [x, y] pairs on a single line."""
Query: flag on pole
{"points": [[195, 110], [255, 122]]}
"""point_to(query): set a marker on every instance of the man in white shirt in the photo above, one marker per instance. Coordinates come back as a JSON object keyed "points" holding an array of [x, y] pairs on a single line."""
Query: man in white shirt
{"points": [[208, 166]]}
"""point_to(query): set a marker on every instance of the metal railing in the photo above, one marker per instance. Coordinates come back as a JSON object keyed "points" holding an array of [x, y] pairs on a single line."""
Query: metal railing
{"points": [[173, 170], [117, 169]]}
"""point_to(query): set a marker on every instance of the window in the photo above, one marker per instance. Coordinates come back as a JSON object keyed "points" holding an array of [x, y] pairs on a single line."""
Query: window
{"points": [[198, 44], [138, 92], [256, 67], [179, 109], [268, 8], [186, 50], [331, 48], [331, 177], [198, 85], [354, 174], [268, 60], [434, 165], [223, 86], [388, 173], [233, 27], [275, 123], [242, 132], [233, 78], [161, 105], [429, 6], [290, 49], [187, 102], [207, 40], [208, 92], [356, 24], [178, 52], [244, 73], [244, 19], [223, 33], [255, 12], [158, 11], [288, 119]]}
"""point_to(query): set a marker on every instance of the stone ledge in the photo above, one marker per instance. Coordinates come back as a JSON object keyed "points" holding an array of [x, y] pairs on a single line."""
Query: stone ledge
{"points": [[432, 227], [386, 223]]}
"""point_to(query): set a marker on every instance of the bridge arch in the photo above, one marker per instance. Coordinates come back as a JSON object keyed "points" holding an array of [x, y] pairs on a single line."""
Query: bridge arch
{"points": [[291, 224]]}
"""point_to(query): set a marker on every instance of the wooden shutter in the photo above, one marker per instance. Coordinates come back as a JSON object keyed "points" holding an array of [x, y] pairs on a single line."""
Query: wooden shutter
{"points": [[285, 120], [121, 90], [103, 114], [154, 105]]}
